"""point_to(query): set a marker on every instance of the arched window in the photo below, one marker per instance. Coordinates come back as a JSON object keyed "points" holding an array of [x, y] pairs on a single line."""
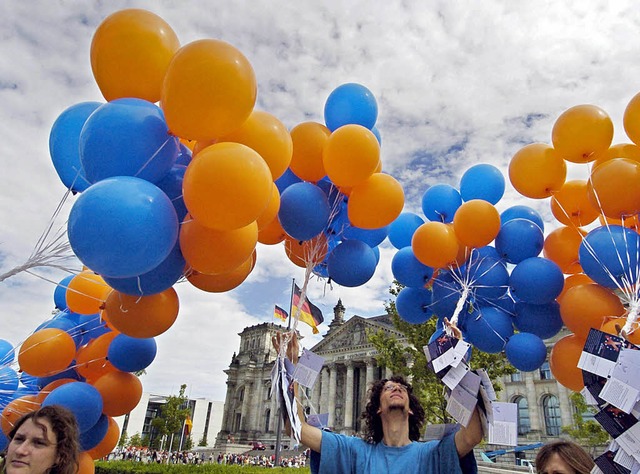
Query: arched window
{"points": [[524, 422], [267, 416], [241, 394], [545, 371], [551, 410]]}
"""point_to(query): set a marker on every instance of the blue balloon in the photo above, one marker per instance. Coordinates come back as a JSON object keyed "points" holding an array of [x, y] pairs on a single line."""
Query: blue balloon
{"points": [[376, 132], [440, 203], [484, 182], [488, 329], [122, 227], [334, 195], [7, 352], [287, 179], [487, 277], [522, 212], [83, 399], [304, 211], [506, 304], [338, 221], [350, 103], [609, 256], [543, 320], [30, 381], [351, 263], [536, 280], [8, 379], [171, 185], [64, 145], [184, 155], [67, 325], [408, 270], [60, 293], [127, 137], [4, 441], [484, 252], [413, 305], [402, 229], [371, 237], [446, 293], [92, 437], [69, 373], [92, 327], [155, 281], [131, 354], [526, 351], [518, 240]]}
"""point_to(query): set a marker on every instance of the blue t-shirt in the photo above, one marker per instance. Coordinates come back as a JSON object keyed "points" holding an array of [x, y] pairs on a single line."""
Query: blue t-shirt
{"points": [[347, 454]]}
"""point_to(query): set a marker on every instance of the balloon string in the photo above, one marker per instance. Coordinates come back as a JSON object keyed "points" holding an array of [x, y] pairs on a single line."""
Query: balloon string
{"points": [[459, 307], [169, 138]]}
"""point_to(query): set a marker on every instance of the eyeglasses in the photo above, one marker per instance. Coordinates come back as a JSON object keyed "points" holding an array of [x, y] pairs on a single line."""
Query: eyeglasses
{"points": [[391, 386]]}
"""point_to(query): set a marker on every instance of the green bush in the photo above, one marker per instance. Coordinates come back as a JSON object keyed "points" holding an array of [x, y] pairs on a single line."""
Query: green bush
{"points": [[129, 467]]}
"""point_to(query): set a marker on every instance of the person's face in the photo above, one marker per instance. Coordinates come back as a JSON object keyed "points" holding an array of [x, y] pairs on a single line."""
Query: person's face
{"points": [[33, 449], [556, 465], [394, 396]]}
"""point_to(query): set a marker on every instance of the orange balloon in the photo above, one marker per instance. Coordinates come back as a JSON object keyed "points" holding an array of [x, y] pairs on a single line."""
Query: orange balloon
{"points": [[563, 361], [223, 281], [632, 222], [308, 253], [268, 136], [309, 139], [46, 352], [121, 392], [91, 359], [587, 306], [86, 292], [571, 204], [571, 281], [142, 316], [631, 119], [108, 443], [620, 150], [376, 202], [130, 53], [190, 144], [476, 223], [351, 155], [613, 187], [272, 233], [201, 145], [581, 132], [15, 410], [537, 171], [209, 90], [271, 211], [435, 244], [86, 465], [227, 186], [216, 251], [47, 389], [562, 245]]}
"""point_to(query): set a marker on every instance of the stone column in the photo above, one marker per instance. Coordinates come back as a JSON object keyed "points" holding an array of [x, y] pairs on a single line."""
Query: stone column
{"points": [[369, 377], [244, 420], [532, 401], [228, 408], [348, 402], [323, 405], [333, 378], [316, 394]]}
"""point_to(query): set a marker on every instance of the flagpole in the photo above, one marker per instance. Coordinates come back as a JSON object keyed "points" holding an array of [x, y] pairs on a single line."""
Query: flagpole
{"points": [[293, 286]]}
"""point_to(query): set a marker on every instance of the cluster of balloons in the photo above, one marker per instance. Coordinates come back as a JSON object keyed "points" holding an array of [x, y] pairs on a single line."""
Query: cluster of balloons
{"points": [[596, 242], [479, 268]]}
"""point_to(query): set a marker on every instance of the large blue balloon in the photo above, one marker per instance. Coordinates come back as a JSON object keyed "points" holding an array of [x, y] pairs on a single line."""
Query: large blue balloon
{"points": [[484, 182], [408, 270], [414, 305], [127, 137], [371, 237], [518, 240], [522, 212], [526, 351], [4, 441], [304, 210], [440, 202], [350, 103], [8, 379], [92, 437], [64, 142], [122, 227], [60, 293], [536, 280], [286, 180], [84, 401], [171, 184], [488, 329], [609, 256], [7, 352], [543, 320], [446, 293], [402, 229], [487, 277], [351, 263], [131, 354]]}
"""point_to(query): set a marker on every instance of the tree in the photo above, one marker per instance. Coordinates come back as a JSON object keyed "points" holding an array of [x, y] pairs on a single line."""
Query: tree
{"points": [[187, 444], [135, 441], [587, 433], [409, 360], [123, 439], [171, 418], [203, 440]]}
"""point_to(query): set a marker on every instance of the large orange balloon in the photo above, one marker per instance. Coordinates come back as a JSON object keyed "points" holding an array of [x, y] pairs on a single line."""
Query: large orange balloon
{"points": [[376, 202], [613, 187], [307, 253], [309, 139], [130, 53], [46, 352], [351, 155], [476, 223], [91, 359], [223, 281], [562, 245], [571, 204], [15, 410], [86, 292], [121, 392], [269, 137], [588, 306], [620, 150], [142, 316], [108, 443], [563, 361], [571, 281], [581, 132], [86, 464], [271, 211], [272, 233], [209, 90], [227, 186], [631, 222], [631, 119], [216, 251], [435, 244], [537, 171]]}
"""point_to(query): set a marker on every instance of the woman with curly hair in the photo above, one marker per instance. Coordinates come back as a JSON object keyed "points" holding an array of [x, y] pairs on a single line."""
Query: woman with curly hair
{"points": [[563, 457]]}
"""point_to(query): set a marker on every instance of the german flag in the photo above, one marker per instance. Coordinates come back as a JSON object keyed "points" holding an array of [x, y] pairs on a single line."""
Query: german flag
{"points": [[309, 313], [280, 313], [188, 425]]}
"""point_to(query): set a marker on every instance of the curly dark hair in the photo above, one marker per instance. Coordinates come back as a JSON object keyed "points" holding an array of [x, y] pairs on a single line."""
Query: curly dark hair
{"points": [[571, 453], [65, 427], [373, 430]]}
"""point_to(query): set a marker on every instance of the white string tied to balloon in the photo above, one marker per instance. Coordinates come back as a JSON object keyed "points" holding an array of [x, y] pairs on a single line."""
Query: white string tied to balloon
{"points": [[632, 318]]}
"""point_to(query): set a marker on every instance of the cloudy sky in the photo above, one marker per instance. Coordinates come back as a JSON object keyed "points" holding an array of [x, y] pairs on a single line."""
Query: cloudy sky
{"points": [[457, 83]]}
